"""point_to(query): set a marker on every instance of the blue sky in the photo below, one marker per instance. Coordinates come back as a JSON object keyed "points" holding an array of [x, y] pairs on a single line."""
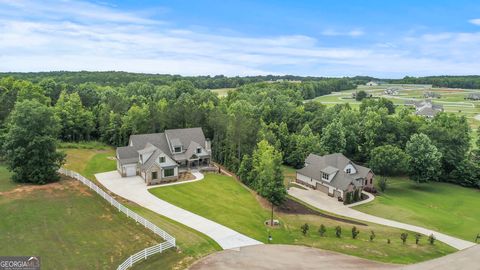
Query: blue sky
{"points": [[319, 38]]}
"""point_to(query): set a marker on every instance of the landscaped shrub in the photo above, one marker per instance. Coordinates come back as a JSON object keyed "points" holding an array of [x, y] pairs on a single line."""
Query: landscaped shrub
{"points": [[404, 237], [304, 228], [370, 190], [388, 241], [372, 235], [322, 230], [382, 184], [431, 239], [338, 231], [348, 198], [417, 238], [355, 232], [356, 195]]}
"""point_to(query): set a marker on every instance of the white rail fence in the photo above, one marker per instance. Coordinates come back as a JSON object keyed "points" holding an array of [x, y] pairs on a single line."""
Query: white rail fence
{"points": [[143, 254]]}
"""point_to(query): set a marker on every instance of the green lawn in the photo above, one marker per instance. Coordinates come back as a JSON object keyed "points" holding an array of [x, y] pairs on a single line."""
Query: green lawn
{"points": [[192, 245], [66, 224], [447, 208], [226, 201]]}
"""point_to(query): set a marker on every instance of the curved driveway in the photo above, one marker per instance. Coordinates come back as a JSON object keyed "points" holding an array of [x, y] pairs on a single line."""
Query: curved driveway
{"points": [[134, 189], [324, 202]]}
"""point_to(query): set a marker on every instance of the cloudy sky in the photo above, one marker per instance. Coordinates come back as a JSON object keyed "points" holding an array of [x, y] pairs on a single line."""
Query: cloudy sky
{"points": [[319, 38]]}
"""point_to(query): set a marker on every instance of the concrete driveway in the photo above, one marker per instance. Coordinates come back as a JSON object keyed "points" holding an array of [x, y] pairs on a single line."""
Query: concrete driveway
{"points": [[324, 202], [134, 189], [279, 257]]}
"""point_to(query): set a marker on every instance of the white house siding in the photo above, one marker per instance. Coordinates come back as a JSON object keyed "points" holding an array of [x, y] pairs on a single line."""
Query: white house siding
{"points": [[349, 166], [306, 180]]}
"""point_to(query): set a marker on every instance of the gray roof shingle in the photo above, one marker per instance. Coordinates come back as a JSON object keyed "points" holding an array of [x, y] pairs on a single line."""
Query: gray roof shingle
{"points": [[333, 163]]}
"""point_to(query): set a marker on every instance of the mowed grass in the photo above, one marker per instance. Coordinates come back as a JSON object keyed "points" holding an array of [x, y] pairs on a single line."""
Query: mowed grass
{"points": [[191, 244], [443, 207], [226, 201], [67, 225]]}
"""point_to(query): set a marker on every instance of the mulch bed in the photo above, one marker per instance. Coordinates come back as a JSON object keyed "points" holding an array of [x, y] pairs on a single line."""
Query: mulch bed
{"points": [[293, 207]]}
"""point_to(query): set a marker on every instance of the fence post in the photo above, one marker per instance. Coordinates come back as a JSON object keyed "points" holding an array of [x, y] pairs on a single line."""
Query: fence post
{"points": [[145, 250], [130, 258]]}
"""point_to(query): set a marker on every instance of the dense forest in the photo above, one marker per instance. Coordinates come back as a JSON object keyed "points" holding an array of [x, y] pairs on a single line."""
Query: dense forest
{"points": [[467, 82], [392, 140]]}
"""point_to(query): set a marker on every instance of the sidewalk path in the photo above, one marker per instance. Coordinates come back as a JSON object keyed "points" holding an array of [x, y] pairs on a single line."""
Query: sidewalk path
{"points": [[135, 190], [325, 203]]}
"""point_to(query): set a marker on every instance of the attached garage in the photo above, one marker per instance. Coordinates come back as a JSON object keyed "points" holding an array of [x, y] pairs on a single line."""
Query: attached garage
{"points": [[322, 188], [130, 169]]}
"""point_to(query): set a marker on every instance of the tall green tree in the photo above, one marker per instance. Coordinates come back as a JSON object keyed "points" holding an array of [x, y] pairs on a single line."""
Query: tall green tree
{"points": [[29, 145], [425, 159], [333, 138], [451, 135], [301, 145], [388, 160], [77, 123], [267, 174]]}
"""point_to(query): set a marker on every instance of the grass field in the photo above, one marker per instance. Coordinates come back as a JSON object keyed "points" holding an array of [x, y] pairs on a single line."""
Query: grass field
{"points": [[447, 208], [192, 245], [226, 201], [67, 225], [222, 92]]}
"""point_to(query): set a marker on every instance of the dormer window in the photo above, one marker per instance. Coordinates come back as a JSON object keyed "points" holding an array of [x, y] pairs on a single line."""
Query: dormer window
{"points": [[162, 159], [199, 150], [324, 176], [349, 170], [177, 149]]}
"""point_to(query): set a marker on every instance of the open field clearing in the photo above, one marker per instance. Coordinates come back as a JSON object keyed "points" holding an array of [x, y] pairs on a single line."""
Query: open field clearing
{"points": [[67, 225], [453, 100], [443, 207], [222, 92]]}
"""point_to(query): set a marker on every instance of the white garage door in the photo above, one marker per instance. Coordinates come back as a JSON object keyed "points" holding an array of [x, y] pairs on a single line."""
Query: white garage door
{"points": [[130, 170]]}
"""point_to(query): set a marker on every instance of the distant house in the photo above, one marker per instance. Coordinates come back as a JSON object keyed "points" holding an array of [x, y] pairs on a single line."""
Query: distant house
{"points": [[371, 83], [392, 91], [425, 107], [473, 96], [158, 157], [431, 94], [334, 175]]}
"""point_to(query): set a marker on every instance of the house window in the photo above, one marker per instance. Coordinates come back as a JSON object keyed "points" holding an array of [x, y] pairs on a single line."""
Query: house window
{"points": [[349, 170], [168, 172], [366, 182], [162, 159], [154, 175], [324, 176], [199, 150], [371, 181], [177, 149]]}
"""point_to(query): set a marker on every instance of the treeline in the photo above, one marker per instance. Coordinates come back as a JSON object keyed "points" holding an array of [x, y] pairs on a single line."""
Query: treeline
{"points": [[468, 82], [391, 140], [118, 78]]}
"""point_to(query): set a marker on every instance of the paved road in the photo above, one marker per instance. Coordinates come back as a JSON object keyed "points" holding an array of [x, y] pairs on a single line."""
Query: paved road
{"points": [[324, 202], [279, 257], [135, 190]]}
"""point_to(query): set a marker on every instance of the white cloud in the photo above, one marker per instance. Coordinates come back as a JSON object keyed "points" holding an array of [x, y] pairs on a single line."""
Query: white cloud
{"points": [[72, 35], [352, 33], [475, 21]]}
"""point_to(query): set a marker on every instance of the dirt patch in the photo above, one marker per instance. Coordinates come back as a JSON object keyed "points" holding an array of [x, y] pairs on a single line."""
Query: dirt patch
{"points": [[293, 207], [185, 176], [52, 189]]}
